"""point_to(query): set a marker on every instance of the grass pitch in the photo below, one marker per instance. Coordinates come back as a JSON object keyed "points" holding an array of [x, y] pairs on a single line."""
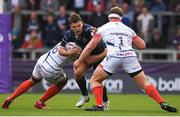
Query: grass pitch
{"points": [[64, 105]]}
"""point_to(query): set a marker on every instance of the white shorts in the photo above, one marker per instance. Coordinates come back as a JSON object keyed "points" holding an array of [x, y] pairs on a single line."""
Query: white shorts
{"points": [[128, 64], [43, 70]]}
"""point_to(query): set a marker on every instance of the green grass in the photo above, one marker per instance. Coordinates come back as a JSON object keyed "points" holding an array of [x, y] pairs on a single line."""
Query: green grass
{"points": [[64, 104]]}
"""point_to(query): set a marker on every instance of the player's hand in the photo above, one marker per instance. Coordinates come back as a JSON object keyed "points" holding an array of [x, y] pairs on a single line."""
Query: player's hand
{"points": [[74, 52], [93, 31], [76, 64]]}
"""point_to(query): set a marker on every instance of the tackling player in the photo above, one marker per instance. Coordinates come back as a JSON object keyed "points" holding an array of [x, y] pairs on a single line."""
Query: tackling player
{"points": [[81, 33], [50, 67], [119, 40]]}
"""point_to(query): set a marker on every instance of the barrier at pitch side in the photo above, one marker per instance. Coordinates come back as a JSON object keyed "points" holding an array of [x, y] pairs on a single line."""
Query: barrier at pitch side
{"points": [[165, 76], [5, 60]]}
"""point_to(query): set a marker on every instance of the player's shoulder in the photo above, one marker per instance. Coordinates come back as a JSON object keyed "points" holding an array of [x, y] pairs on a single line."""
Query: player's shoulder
{"points": [[127, 28], [87, 27], [68, 34], [104, 26]]}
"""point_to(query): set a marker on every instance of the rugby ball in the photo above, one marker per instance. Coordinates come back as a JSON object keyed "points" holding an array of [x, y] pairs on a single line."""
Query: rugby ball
{"points": [[71, 45]]}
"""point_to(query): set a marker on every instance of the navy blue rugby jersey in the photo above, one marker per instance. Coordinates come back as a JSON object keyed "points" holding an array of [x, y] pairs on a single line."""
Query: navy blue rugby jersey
{"points": [[83, 40]]}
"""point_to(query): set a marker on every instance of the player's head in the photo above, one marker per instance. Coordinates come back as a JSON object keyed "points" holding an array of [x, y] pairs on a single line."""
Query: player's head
{"points": [[115, 13], [76, 23]]}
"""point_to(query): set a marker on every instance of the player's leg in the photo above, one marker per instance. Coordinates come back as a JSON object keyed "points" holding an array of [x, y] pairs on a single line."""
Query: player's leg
{"points": [[55, 88], [81, 81], [22, 88], [132, 66], [97, 89], [105, 69], [152, 91], [105, 95]]}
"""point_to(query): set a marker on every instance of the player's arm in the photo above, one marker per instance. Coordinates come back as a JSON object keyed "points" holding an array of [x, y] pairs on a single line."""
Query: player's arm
{"points": [[90, 47], [65, 52], [95, 58], [69, 53], [138, 43]]}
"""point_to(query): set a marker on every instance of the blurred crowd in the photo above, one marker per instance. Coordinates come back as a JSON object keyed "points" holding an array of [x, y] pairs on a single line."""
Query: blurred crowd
{"points": [[35, 30]]}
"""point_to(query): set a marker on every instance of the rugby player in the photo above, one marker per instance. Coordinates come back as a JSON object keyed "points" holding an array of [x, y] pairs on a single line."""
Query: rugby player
{"points": [[120, 41], [81, 33], [49, 67]]}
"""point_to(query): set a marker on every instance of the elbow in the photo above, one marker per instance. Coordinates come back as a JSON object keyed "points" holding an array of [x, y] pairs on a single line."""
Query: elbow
{"points": [[143, 46], [140, 46]]}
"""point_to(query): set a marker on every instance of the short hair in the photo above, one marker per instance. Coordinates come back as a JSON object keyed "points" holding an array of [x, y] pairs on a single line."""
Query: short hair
{"points": [[74, 17], [116, 10]]}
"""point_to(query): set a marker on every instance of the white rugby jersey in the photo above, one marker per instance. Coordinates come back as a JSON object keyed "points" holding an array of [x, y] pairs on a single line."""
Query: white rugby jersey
{"points": [[118, 38], [52, 60]]}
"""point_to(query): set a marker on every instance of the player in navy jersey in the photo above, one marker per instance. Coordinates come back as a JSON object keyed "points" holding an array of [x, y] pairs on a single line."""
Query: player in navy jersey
{"points": [[82, 33]]}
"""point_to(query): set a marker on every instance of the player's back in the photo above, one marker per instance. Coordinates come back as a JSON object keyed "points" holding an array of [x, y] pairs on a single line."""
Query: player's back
{"points": [[118, 37], [52, 59]]}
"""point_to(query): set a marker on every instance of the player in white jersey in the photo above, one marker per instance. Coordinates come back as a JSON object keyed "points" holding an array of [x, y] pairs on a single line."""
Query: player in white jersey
{"points": [[120, 41], [49, 67]]}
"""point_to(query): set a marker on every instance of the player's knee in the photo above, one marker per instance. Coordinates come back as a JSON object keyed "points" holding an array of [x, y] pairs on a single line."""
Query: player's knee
{"points": [[93, 79], [62, 81], [35, 80], [78, 75]]}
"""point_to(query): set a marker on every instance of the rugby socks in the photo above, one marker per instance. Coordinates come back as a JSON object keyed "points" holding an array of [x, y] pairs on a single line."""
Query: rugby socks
{"points": [[50, 92], [105, 98], [153, 93], [82, 85], [23, 87], [98, 94]]}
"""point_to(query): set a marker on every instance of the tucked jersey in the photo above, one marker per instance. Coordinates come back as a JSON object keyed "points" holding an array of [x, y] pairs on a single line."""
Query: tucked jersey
{"points": [[118, 38], [83, 40]]}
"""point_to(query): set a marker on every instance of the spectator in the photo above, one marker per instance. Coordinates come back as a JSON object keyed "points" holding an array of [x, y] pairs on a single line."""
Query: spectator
{"points": [[17, 27], [139, 3], [49, 5], [98, 18], [156, 42], [32, 27], [137, 12], [157, 6], [113, 3], [62, 20], [145, 24], [33, 4], [33, 21], [177, 8], [176, 38], [64, 3], [92, 3], [128, 15], [79, 5], [20, 3], [51, 32], [34, 42]]}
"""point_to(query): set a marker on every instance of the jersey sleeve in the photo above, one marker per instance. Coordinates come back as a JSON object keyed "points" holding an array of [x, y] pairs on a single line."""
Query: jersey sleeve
{"points": [[134, 35], [99, 33]]}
